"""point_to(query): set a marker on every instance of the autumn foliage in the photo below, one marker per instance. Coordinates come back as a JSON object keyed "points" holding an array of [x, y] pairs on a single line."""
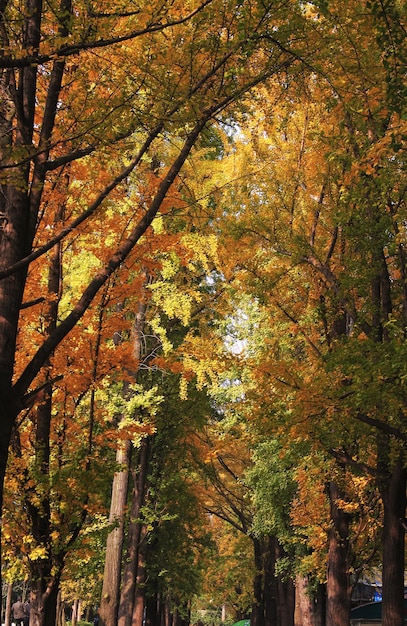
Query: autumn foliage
{"points": [[203, 295]]}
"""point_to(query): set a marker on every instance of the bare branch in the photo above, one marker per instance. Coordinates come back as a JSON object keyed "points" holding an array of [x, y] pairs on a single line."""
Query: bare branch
{"points": [[30, 303]]}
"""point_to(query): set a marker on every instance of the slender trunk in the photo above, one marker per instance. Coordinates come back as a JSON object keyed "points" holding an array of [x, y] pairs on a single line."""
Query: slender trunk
{"points": [[153, 611], [393, 491], [127, 597], [75, 611], [139, 603], [111, 601], [7, 616], [166, 614], [46, 584], [338, 582], [111, 579], [60, 619], [257, 618]]}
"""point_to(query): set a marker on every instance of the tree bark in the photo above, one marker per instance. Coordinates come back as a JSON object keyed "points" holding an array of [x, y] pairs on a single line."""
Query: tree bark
{"points": [[305, 608], [75, 611], [139, 603], [7, 615], [270, 584], [285, 602], [127, 597], [44, 597], [257, 617], [338, 582], [60, 616], [393, 492], [111, 579], [320, 606]]}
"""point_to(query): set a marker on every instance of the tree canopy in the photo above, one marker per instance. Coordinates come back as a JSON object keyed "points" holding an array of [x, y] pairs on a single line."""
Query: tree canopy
{"points": [[203, 305]]}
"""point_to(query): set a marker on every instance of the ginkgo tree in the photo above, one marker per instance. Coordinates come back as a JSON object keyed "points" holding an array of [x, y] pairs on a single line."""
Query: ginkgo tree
{"points": [[89, 103], [320, 244], [101, 109]]}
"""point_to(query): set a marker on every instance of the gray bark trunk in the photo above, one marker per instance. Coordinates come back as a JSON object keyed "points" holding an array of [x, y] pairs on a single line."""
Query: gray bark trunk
{"points": [[304, 610], [111, 579]]}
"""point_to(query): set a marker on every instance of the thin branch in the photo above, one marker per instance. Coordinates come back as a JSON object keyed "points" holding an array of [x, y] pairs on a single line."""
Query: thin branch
{"points": [[55, 338], [221, 515], [316, 217], [30, 398], [344, 457], [30, 303], [303, 333], [226, 467], [86, 214], [333, 244], [74, 49]]}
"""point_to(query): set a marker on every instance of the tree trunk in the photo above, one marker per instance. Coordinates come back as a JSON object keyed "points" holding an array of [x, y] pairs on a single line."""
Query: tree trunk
{"points": [[127, 597], [305, 608], [338, 582], [393, 491], [45, 581], [285, 602], [13, 246], [75, 612], [139, 603], [19, 213], [270, 587], [320, 606], [273, 598], [114, 545], [51, 603], [167, 614], [7, 616], [257, 617], [278, 595], [60, 618], [44, 594], [153, 612]]}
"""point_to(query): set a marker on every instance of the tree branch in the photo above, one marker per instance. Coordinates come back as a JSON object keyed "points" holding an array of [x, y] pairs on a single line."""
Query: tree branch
{"points": [[382, 426], [86, 214], [7, 62], [29, 303], [344, 457], [50, 344]]}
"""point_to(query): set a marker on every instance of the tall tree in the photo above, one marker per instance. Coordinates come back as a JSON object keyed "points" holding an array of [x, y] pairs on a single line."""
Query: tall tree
{"points": [[325, 257], [75, 103]]}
